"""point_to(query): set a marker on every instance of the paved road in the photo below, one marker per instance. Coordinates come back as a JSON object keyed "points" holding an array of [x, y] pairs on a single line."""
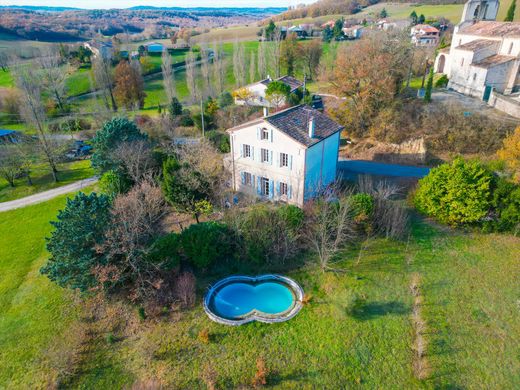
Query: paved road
{"points": [[361, 167], [46, 195]]}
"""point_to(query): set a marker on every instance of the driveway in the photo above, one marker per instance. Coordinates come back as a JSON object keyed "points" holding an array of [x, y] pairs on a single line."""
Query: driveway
{"points": [[361, 167], [46, 195]]}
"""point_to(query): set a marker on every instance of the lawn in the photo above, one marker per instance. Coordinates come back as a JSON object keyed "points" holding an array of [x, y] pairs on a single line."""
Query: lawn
{"points": [[42, 180], [356, 331]]}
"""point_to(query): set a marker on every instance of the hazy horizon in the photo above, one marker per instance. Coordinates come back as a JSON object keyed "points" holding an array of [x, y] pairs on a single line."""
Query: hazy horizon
{"points": [[107, 4]]}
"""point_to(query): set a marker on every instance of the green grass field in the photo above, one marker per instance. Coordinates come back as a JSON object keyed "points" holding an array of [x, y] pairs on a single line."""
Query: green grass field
{"points": [[468, 281], [42, 180]]}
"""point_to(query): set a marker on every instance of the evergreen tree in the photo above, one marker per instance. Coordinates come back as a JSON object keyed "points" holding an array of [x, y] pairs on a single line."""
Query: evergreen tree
{"points": [[175, 107], [429, 87], [421, 19], [383, 14], [106, 140], [79, 230], [414, 17], [511, 12]]}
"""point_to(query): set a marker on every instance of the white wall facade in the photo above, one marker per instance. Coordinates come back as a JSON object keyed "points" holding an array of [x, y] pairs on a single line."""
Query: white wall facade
{"points": [[307, 168], [293, 175]]}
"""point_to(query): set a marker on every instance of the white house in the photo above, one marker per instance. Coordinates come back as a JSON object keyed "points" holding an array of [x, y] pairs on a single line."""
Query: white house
{"points": [[483, 60], [424, 35], [287, 156], [257, 96], [105, 49]]}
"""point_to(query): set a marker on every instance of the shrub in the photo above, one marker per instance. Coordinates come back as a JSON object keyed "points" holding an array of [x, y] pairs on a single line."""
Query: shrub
{"points": [[270, 234], [506, 202], [442, 81], [166, 251], [113, 183], [79, 230], [207, 242], [456, 193], [362, 206]]}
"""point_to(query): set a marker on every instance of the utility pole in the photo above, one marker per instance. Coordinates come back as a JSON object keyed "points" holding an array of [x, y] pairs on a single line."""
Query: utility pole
{"points": [[202, 119]]}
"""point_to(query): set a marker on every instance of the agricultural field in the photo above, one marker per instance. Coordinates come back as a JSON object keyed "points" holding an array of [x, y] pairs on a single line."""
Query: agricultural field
{"points": [[363, 317]]}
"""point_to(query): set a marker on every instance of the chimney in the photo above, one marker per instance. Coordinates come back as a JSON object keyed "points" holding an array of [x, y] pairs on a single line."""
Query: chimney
{"points": [[311, 127], [266, 112]]}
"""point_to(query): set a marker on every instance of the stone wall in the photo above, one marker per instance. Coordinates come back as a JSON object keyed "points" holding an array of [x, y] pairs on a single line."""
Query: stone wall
{"points": [[507, 104]]}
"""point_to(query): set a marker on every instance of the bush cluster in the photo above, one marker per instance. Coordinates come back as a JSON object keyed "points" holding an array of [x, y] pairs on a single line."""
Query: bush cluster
{"points": [[468, 193]]}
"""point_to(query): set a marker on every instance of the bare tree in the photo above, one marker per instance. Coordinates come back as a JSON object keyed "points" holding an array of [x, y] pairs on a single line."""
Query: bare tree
{"points": [[276, 51], [262, 60], [310, 55], [54, 76], [205, 71], [10, 164], [168, 75], [137, 158], [252, 67], [239, 70], [185, 288], [190, 77], [32, 110], [329, 227], [219, 68], [136, 218], [104, 78]]}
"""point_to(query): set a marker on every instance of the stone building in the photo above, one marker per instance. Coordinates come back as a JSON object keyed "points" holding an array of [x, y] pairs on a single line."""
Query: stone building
{"points": [[484, 57]]}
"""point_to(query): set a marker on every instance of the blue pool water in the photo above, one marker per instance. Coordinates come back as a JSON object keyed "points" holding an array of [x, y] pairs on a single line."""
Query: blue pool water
{"points": [[239, 298]]}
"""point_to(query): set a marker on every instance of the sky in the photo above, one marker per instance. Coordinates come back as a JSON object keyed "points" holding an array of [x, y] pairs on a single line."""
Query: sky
{"points": [[92, 4]]}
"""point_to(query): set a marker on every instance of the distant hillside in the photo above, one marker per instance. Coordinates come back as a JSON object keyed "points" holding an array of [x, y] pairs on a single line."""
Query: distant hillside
{"points": [[40, 8], [39, 23], [346, 7]]}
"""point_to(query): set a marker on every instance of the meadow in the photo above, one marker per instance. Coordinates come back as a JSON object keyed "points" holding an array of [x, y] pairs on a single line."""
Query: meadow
{"points": [[42, 180], [356, 331]]}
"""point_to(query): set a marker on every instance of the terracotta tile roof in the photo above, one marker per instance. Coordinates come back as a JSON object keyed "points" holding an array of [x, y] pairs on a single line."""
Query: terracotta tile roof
{"points": [[495, 60], [426, 28], [478, 44], [295, 123], [492, 29]]}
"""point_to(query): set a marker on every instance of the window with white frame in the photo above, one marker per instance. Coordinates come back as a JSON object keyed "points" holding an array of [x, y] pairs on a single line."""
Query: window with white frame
{"points": [[248, 179], [247, 150], [284, 189], [264, 155], [284, 160], [264, 186], [264, 134]]}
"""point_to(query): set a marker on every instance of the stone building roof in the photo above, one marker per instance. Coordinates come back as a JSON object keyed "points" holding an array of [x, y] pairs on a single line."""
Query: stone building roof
{"points": [[493, 29], [495, 60], [294, 122], [477, 44]]}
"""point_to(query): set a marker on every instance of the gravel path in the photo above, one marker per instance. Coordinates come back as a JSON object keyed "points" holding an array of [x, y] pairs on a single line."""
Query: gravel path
{"points": [[46, 195]]}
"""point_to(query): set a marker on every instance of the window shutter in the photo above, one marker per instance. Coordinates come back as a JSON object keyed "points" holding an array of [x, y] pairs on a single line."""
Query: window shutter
{"points": [[252, 153], [258, 133], [259, 186], [271, 135], [277, 159], [253, 178], [242, 150], [271, 189], [243, 176], [289, 191], [290, 162], [271, 157], [278, 188]]}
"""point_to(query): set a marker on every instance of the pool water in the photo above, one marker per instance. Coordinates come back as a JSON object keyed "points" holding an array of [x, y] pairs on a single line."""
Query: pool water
{"points": [[236, 299]]}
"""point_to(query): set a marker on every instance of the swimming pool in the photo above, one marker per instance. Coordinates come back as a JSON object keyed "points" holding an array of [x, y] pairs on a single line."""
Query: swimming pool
{"points": [[237, 300]]}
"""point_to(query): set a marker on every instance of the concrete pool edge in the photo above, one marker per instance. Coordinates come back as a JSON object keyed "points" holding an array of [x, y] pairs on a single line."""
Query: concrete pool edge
{"points": [[255, 315]]}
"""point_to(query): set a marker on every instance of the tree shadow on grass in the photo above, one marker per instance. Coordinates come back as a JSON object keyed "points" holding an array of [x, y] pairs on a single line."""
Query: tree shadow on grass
{"points": [[363, 311]]}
